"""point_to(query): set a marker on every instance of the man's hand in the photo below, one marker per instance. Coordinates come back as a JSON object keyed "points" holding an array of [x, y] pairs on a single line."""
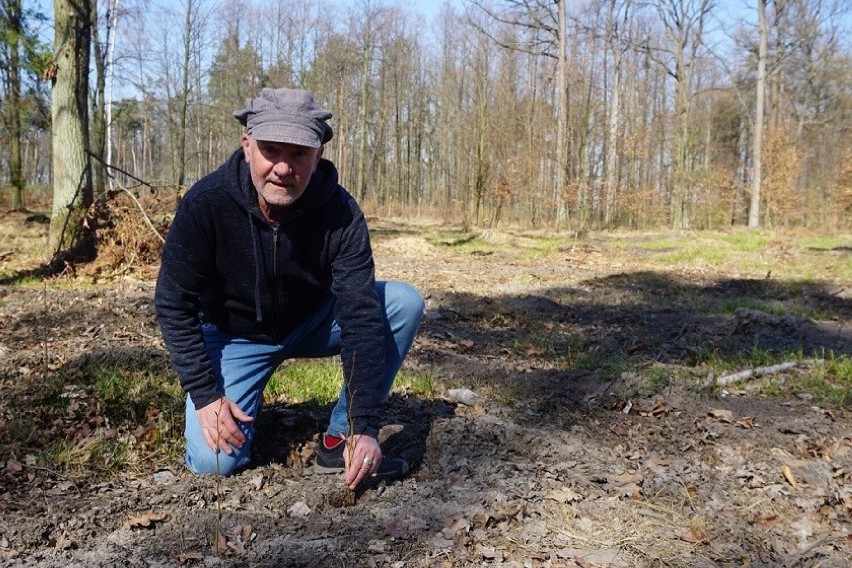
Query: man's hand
{"points": [[362, 456], [219, 422]]}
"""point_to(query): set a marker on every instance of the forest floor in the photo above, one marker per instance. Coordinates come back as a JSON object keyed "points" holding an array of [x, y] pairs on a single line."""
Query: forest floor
{"points": [[593, 435]]}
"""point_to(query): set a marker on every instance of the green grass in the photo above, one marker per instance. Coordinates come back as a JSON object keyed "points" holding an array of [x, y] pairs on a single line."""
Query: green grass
{"points": [[747, 241], [692, 254], [420, 384], [22, 280], [827, 381], [768, 307], [303, 380], [97, 418], [822, 242], [319, 381], [606, 365], [537, 248]]}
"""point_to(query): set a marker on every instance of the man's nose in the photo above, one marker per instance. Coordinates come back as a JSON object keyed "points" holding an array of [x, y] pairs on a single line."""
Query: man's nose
{"points": [[282, 168]]}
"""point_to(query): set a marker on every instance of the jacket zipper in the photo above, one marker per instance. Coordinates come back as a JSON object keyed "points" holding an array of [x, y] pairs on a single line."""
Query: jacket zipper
{"points": [[276, 289]]}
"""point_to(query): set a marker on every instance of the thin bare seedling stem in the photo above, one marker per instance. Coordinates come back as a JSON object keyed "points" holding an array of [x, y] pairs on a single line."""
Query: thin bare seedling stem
{"points": [[350, 447], [349, 439], [217, 535]]}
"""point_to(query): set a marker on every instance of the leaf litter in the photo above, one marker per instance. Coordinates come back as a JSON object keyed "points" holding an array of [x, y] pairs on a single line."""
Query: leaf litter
{"points": [[551, 465]]}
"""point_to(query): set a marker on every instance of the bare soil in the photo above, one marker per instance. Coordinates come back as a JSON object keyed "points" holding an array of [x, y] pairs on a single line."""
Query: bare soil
{"points": [[553, 463]]}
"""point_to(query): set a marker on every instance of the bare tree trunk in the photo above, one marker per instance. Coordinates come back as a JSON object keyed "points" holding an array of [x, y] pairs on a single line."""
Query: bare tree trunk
{"points": [[184, 99], [110, 60], [98, 109], [13, 104], [612, 161], [361, 183], [757, 161], [72, 186], [561, 115]]}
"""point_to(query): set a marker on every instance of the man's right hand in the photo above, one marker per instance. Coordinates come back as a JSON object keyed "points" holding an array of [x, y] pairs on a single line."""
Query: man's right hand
{"points": [[219, 422]]}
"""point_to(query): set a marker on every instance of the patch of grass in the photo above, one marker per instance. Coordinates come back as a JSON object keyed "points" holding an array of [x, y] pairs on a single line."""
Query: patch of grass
{"points": [[128, 393], [694, 254], [747, 241], [829, 381], [606, 365], [319, 381], [718, 365], [21, 279], [303, 380], [660, 244], [822, 242], [420, 384], [96, 418], [536, 347], [659, 379], [733, 304], [542, 247]]}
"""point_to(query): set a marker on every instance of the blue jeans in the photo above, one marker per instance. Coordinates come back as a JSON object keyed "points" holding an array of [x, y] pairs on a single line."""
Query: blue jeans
{"points": [[243, 367]]}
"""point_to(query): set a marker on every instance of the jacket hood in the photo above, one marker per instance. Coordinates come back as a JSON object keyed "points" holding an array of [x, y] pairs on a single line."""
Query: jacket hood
{"points": [[242, 190]]}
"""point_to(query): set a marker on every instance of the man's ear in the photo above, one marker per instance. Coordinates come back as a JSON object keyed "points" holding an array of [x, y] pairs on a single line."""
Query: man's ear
{"points": [[244, 142], [319, 156]]}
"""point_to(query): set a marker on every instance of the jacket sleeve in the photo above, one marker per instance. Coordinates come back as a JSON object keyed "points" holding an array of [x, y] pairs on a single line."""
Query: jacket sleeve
{"points": [[187, 263], [359, 314]]}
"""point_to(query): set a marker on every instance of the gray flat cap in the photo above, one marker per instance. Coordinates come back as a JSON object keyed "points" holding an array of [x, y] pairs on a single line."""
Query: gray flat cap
{"points": [[286, 115]]}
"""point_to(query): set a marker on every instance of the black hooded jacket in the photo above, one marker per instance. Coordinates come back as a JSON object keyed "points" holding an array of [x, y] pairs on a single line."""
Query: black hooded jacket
{"points": [[224, 263]]}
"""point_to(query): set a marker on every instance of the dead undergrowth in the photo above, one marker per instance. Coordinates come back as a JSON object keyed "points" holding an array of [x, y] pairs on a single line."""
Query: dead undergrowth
{"points": [[595, 434]]}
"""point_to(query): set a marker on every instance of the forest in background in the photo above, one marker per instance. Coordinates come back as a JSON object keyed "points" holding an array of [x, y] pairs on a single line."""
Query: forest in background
{"points": [[554, 114]]}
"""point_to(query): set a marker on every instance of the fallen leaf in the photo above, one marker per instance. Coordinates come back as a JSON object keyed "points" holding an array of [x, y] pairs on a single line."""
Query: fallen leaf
{"points": [[722, 415], [564, 495], [746, 423], [145, 520], [765, 520], [454, 525], [188, 557], [220, 544], [660, 408], [694, 535], [789, 476], [619, 430], [695, 532], [298, 509]]}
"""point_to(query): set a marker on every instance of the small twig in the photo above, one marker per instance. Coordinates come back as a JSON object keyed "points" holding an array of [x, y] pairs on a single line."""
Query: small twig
{"points": [[761, 371]]}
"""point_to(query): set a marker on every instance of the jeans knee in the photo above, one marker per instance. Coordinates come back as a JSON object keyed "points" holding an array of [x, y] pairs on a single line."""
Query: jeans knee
{"points": [[207, 462], [406, 300]]}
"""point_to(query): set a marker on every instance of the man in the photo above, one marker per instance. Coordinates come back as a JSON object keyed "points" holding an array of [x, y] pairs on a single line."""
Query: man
{"points": [[268, 258]]}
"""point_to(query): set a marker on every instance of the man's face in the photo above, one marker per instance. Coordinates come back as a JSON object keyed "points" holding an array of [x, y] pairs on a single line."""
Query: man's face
{"points": [[280, 171]]}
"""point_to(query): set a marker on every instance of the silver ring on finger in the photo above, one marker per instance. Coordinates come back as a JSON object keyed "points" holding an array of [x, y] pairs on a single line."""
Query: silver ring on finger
{"points": [[368, 462]]}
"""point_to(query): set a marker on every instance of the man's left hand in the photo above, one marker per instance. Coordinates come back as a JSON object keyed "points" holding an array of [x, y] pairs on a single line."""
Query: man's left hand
{"points": [[362, 456]]}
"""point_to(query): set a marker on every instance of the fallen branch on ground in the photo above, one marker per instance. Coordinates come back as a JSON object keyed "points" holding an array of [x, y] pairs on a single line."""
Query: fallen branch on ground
{"points": [[761, 371]]}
